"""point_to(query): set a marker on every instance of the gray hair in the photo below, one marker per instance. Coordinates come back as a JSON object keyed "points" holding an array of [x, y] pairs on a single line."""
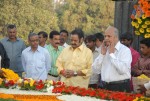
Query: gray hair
{"points": [[116, 32], [32, 34]]}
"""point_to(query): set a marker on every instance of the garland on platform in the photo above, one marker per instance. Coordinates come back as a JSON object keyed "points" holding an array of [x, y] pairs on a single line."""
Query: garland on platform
{"points": [[59, 87]]}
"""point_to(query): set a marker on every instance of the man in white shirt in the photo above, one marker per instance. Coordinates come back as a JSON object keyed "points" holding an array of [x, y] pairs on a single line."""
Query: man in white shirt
{"points": [[90, 43], [99, 40], [145, 87], [114, 62], [35, 59], [63, 38], [42, 38]]}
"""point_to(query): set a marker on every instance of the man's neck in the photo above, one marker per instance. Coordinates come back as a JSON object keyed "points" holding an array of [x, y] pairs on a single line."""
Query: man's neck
{"points": [[34, 49], [42, 44], [13, 40], [93, 49]]}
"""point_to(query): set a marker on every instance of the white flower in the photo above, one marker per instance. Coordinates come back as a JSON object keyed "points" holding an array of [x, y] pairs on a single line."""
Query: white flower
{"points": [[49, 89]]}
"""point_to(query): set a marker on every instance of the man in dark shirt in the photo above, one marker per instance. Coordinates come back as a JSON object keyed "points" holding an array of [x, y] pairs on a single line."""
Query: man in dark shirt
{"points": [[4, 59]]}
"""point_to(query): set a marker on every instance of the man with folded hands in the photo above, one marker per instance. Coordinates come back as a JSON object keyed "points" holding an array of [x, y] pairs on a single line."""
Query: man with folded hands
{"points": [[114, 62], [74, 62]]}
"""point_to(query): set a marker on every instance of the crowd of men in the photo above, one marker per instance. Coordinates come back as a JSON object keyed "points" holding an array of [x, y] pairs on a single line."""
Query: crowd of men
{"points": [[98, 60]]}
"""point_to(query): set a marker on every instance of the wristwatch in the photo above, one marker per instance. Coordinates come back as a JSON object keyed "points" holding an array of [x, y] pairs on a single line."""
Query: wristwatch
{"points": [[75, 73]]}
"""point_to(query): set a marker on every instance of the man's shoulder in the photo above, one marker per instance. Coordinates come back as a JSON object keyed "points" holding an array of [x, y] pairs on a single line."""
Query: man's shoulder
{"points": [[4, 39], [26, 49]]}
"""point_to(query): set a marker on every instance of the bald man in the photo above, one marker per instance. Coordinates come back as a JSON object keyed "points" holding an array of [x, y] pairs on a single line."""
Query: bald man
{"points": [[114, 62]]}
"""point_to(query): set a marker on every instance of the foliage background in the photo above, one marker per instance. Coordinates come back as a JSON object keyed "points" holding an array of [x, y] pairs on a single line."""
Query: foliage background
{"points": [[47, 15]]}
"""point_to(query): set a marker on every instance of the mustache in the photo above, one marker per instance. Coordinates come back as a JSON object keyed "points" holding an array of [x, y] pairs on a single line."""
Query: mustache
{"points": [[73, 44], [57, 43]]}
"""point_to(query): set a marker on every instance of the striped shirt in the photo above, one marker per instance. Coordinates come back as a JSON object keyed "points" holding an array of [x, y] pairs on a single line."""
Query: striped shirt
{"points": [[54, 55]]}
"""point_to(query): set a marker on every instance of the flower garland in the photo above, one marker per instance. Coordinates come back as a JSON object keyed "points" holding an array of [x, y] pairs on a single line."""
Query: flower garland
{"points": [[141, 18], [29, 97], [98, 93], [9, 74]]}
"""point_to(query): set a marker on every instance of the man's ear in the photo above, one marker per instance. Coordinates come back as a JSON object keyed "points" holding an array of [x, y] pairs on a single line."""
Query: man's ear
{"points": [[81, 40]]}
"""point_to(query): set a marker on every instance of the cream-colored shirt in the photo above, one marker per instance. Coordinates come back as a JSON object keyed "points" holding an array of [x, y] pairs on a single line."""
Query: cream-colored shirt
{"points": [[79, 59]]}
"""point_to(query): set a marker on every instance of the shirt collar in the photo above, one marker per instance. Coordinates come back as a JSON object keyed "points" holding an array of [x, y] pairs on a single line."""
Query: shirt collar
{"points": [[38, 49], [80, 47], [117, 46], [17, 39], [54, 48]]}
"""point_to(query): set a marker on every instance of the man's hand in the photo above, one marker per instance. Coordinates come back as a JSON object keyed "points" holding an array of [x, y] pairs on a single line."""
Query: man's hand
{"points": [[112, 48], [103, 48], [67, 73], [142, 89]]}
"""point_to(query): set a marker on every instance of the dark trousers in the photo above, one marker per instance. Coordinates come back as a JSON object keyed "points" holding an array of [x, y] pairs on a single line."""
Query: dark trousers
{"points": [[122, 87], [93, 86]]}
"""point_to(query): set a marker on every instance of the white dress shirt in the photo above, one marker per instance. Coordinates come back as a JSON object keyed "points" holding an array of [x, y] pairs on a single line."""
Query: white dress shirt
{"points": [[36, 64], [94, 77], [65, 45], [147, 85], [115, 66]]}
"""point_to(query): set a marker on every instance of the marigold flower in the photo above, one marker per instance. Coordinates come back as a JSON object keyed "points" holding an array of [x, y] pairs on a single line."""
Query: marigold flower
{"points": [[137, 32], [143, 16], [136, 25], [147, 14], [144, 26], [26, 82], [1, 80], [148, 30], [147, 22], [147, 36], [139, 21], [133, 23], [141, 30]]}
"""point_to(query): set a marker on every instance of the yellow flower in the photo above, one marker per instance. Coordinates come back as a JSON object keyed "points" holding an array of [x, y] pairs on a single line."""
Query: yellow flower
{"points": [[1, 81], [9, 74], [26, 82], [143, 16], [31, 82], [144, 26], [136, 25], [133, 23], [148, 30], [141, 30], [147, 22], [136, 99], [137, 32], [50, 82], [147, 36], [139, 21]]}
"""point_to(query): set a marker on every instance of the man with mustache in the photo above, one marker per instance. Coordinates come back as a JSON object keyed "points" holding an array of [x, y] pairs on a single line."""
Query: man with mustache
{"points": [[14, 47], [114, 62], [54, 49], [74, 63]]}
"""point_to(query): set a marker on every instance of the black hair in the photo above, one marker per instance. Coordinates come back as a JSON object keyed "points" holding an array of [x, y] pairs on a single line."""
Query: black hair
{"points": [[64, 31], [126, 35], [78, 32], [52, 33], [44, 34], [90, 38], [99, 36], [11, 26], [146, 42]]}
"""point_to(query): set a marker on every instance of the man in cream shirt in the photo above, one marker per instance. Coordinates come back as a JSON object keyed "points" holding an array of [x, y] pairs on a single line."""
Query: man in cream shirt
{"points": [[74, 62]]}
